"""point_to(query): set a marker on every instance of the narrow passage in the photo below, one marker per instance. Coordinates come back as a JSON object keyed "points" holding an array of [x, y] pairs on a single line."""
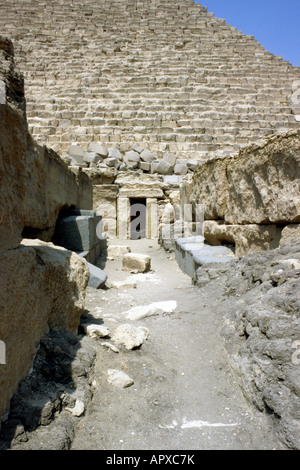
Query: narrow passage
{"points": [[184, 394]]}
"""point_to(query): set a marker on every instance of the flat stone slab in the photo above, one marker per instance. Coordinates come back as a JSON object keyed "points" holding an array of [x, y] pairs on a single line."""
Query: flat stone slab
{"points": [[136, 263], [192, 253]]}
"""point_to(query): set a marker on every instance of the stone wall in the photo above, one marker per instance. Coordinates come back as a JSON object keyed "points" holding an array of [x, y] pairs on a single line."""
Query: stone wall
{"points": [[167, 75], [42, 287], [251, 200]]}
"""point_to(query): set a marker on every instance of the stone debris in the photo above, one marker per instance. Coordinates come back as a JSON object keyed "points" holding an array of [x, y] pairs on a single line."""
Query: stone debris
{"points": [[78, 409], [155, 308], [110, 346], [130, 336], [119, 379], [126, 284], [97, 148], [136, 263], [95, 331]]}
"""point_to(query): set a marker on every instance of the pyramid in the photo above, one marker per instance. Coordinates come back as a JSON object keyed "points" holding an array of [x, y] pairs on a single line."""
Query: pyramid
{"points": [[169, 76]]}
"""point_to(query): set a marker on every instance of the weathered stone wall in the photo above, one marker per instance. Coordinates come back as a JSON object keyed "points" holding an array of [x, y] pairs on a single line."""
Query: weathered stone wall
{"points": [[42, 287], [250, 198], [35, 183], [167, 75]]}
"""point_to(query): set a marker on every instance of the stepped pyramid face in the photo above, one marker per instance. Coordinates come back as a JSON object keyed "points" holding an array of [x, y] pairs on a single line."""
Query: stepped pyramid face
{"points": [[167, 75]]}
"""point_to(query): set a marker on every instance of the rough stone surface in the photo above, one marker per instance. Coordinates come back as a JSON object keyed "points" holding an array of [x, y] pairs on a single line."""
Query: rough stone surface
{"points": [[164, 85], [97, 277], [98, 148], [119, 379], [261, 293], [114, 251], [52, 282], [95, 331], [49, 401], [252, 196], [130, 336], [42, 286]]}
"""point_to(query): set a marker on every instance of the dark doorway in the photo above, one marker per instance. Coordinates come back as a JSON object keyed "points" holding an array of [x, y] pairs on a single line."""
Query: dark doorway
{"points": [[137, 218]]}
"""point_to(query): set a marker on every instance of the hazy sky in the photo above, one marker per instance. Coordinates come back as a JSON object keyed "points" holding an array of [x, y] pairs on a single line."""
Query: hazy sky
{"points": [[275, 24]]}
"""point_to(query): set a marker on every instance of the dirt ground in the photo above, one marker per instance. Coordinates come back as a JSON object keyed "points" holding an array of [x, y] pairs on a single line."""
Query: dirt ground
{"points": [[184, 395]]}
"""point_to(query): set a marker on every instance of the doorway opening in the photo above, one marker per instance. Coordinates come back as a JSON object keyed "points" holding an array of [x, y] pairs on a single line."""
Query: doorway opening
{"points": [[138, 218]]}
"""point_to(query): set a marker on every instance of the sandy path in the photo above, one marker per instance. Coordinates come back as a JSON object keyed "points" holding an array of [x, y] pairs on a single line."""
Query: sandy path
{"points": [[184, 395]]}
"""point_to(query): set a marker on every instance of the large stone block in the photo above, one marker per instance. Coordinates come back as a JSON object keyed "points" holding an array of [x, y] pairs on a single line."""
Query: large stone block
{"points": [[41, 287], [77, 232], [259, 186], [192, 252], [249, 238], [264, 183]]}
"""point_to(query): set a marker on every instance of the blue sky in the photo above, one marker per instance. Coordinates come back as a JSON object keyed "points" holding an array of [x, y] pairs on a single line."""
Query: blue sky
{"points": [[275, 24]]}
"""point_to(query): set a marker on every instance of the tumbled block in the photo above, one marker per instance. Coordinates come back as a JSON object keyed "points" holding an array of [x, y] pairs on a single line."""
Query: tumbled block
{"points": [[137, 263], [164, 168]]}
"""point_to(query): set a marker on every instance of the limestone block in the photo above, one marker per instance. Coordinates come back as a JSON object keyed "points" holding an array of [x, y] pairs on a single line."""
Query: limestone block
{"points": [[115, 153], [137, 263], [170, 158], [130, 336], [118, 251], [172, 180], [264, 184], [101, 174], [164, 168], [180, 169], [290, 233], [92, 157], [145, 166], [210, 175], [191, 253], [112, 162], [98, 148], [147, 156], [192, 164], [168, 215], [109, 226], [137, 148], [246, 238], [141, 192], [139, 180], [105, 192], [154, 165], [52, 282], [77, 152], [156, 308], [131, 159]]}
